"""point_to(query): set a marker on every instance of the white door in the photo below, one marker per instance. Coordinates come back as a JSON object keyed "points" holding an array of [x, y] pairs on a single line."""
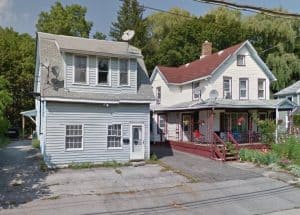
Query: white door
{"points": [[186, 127], [137, 142]]}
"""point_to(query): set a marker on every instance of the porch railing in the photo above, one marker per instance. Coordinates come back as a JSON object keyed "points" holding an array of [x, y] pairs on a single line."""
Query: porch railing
{"points": [[241, 137], [216, 150]]}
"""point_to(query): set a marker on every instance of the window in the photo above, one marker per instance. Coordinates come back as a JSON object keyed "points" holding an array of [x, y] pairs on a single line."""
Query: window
{"points": [[261, 88], [243, 88], [123, 72], [114, 136], [158, 95], [80, 69], [73, 137], [227, 88], [290, 98], [103, 71], [241, 60], [161, 124], [196, 90]]}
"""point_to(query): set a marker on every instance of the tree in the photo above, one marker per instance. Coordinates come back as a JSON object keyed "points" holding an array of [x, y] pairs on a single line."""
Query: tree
{"points": [[130, 16], [17, 69], [5, 101], [69, 20], [99, 36]]}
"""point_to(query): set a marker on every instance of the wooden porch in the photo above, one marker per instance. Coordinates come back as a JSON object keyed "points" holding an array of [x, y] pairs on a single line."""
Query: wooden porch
{"points": [[216, 150]]}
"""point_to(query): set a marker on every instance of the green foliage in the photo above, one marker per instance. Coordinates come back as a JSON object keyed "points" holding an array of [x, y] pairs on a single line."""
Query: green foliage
{"points": [[17, 72], [294, 169], [3, 141], [43, 166], [153, 157], [69, 20], [35, 143], [288, 149], [99, 36], [296, 120], [107, 164], [258, 157], [130, 16], [231, 147], [267, 129]]}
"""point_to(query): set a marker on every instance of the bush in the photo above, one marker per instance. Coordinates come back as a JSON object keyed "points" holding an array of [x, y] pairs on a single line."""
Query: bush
{"points": [[267, 129], [289, 148], [153, 157], [35, 143], [3, 141], [296, 120], [4, 125], [258, 157]]}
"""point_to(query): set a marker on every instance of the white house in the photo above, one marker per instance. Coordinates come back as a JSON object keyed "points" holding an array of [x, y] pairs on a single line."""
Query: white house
{"points": [[93, 99], [213, 95]]}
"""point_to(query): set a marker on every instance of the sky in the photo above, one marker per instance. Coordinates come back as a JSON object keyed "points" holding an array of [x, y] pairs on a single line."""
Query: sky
{"points": [[22, 14]]}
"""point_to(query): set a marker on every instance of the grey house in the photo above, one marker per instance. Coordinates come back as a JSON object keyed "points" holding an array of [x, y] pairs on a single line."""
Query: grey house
{"points": [[291, 92], [92, 100]]}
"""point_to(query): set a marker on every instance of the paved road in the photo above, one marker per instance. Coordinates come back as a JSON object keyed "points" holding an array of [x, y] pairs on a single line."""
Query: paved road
{"points": [[19, 162], [223, 189]]}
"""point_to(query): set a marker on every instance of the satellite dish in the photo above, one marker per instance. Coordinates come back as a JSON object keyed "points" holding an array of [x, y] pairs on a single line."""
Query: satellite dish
{"points": [[213, 94], [128, 35]]}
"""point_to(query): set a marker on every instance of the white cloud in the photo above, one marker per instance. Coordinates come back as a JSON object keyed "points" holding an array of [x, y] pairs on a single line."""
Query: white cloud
{"points": [[7, 17]]}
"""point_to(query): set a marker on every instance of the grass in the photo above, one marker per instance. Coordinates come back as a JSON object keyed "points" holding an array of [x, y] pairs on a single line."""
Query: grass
{"points": [[4, 141], [35, 143], [106, 164], [285, 155], [42, 165]]}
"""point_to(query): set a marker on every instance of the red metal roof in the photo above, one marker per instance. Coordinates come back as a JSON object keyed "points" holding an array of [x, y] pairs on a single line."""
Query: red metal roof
{"points": [[198, 68]]}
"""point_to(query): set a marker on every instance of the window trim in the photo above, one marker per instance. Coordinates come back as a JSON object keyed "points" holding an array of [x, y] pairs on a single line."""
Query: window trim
{"points": [[244, 61], [158, 101], [230, 79], [265, 83], [158, 122], [121, 138], [87, 70], [247, 88], [193, 91], [74, 149], [109, 72], [128, 71]]}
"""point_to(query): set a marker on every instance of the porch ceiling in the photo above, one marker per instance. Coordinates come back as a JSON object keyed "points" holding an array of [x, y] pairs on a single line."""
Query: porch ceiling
{"points": [[281, 104]]}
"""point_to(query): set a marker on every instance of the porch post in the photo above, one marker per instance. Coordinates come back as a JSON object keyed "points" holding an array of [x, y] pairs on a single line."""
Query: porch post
{"points": [[23, 126], [276, 130]]}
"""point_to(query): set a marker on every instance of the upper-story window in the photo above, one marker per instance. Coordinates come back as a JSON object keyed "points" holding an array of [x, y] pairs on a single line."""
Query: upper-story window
{"points": [[80, 69], [244, 86], [124, 73], [103, 71], [261, 88], [158, 95], [196, 90], [241, 60], [227, 88]]}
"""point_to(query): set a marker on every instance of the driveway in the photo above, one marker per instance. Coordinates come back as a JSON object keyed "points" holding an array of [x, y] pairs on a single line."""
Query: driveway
{"points": [[229, 188], [20, 177]]}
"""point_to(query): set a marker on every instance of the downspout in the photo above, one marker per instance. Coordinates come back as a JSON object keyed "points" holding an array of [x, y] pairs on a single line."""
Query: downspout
{"points": [[276, 130]]}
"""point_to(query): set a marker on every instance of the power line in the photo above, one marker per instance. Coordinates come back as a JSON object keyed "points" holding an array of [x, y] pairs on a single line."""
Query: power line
{"points": [[251, 8]]}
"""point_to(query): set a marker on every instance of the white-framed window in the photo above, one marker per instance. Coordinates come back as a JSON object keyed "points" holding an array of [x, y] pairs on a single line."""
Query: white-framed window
{"points": [[114, 136], [124, 72], [103, 75], [227, 87], [240, 60], [196, 90], [261, 84], [80, 69], [244, 88], [161, 125], [158, 95], [74, 137]]}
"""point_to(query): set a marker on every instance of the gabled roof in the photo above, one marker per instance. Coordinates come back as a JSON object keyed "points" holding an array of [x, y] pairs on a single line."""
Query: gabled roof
{"points": [[292, 89], [91, 46], [205, 67]]}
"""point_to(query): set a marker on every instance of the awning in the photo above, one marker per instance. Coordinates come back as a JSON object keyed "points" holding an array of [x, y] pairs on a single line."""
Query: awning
{"points": [[29, 114]]}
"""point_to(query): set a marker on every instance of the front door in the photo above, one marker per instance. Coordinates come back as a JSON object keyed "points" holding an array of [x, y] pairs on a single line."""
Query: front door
{"points": [[137, 142], [186, 127]]}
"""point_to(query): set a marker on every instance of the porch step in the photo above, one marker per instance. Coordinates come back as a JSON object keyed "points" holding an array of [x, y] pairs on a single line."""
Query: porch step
{"points": [[138, 163]]}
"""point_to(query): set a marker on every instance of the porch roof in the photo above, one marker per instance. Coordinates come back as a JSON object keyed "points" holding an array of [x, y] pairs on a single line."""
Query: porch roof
{"points": [[281, 104], [29, 113]]}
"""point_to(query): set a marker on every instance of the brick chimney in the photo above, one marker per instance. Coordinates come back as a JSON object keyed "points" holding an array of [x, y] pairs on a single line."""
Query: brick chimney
{"points": [[206, 49]]}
